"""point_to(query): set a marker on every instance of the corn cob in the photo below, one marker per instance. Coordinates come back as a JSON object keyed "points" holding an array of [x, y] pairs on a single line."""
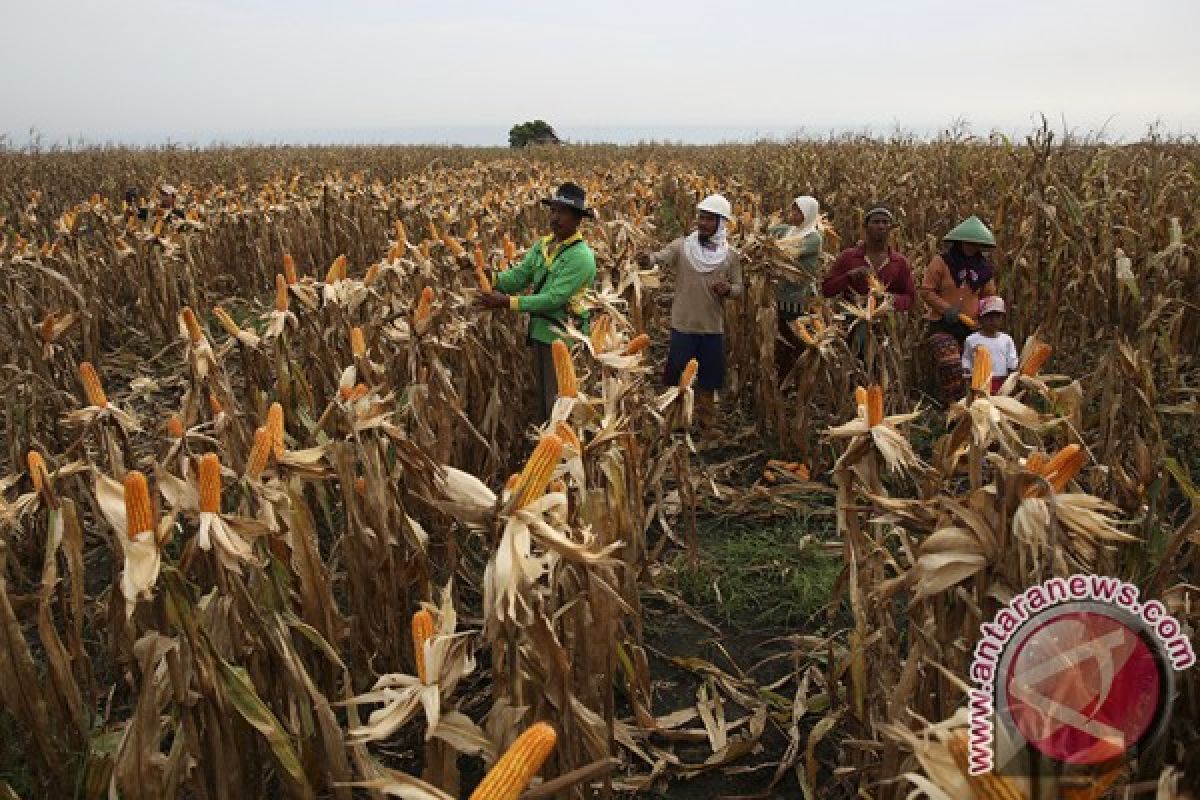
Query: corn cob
{"points": [[968, 321], [434, 233], [874, 405], [456, 249], [394, 253], [281, 293], [800, 328], [175, 427], [424, 305], [689, 374], [531, 483], [226, 321], [47, 329], [485, 283], [37, 469], [401, 235], [193, 327], [516, 768], [358, 392], [210, 484], [1064, 466], [372, 274], [981, 372], [637, 345], [1036, 462], [478, 258], [510, 248], [337, 270], [138, 516], [358, 343], [425, 249], [360, 486], [986, 787], [275, 426], [214, 405], [564, 370], [422, 629], [1033, 364], [289, 269], [563, 431], [259, 453], [860, 397], [601, 334], [511, 482], [91, 385]]}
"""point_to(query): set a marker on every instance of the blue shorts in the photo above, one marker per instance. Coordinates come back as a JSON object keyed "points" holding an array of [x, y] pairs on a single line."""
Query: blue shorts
{"points": [[707, 348]]}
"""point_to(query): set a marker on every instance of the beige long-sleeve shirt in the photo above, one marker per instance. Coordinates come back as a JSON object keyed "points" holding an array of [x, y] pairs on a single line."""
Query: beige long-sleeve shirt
{"points": [[696, 307]]}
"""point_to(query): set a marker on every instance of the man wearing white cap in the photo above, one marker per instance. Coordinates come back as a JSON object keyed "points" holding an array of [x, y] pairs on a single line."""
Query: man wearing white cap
{"points": [[707, 272], [991, 335]]}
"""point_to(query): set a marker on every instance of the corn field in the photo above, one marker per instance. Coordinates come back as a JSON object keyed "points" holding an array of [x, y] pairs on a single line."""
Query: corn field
{"points": [[276, 517]]}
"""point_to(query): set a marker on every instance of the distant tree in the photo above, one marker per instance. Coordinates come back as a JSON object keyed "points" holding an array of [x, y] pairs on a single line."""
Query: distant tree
{"points": [[536, 132]]}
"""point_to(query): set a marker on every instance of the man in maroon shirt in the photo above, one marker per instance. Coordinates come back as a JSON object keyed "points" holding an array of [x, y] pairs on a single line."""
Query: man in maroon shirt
{"points": [[872, 256]]}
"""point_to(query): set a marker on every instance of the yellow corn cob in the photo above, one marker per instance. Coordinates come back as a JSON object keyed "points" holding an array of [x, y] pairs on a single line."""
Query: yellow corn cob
{"points": [[175, 427], [214, 405], [372, 274], [800, 327], [360, 486], [1036, 462], [478, 258], [434, 233], [226, 321], [564, 370], [424, 305], [289, 269], [968, 321], [1033, 364], [281, 293], [473, 229], [531, 484], [563, 431], [358, 344], [689, 374], [981, 373], [601, 333], [874, 405], [337, 270], [1064, 466], [637, 345], [510, 248], [193, 327], [138, 515], [860, 397], [210, 483], [401, 235], [47, 329], [358, 392], [986, 787], [275, 426], [485, 283], [422, 629], [394, 253], [511, 482], [456, 249], [425, 249], [37, 469], [158, 227], [516, 768], [91, 385], [259, 453]]}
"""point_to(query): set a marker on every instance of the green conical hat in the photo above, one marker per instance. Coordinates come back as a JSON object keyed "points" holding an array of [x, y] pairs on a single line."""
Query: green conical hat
{"points": [[971, 230]]}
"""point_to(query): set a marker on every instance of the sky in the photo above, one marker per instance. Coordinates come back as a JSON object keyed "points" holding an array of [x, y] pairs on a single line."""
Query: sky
{"points": [[410, 71]]}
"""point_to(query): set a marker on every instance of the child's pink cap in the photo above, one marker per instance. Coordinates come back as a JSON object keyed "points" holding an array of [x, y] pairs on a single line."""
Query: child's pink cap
{"points": [[991, 305]]}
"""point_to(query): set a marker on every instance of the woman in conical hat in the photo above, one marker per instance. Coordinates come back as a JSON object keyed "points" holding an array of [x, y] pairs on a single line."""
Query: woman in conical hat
{"points": [[955, 282]]}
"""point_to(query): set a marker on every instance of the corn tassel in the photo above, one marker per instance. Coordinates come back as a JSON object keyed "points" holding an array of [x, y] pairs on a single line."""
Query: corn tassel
{"points": [[193, 327], [210, 484], [226, 321], [689, 374], [337, 270], [986, 787], [516, 768], [289, 269], [91, 385], [637, 345], [874, 405], [981, 372], [259, 453], [1033, 364], [275, 426], [138, 516], [358, 343], [564, 370], [424, 305], [422, 630], [531, 483], [37, 470], [281, 293]]}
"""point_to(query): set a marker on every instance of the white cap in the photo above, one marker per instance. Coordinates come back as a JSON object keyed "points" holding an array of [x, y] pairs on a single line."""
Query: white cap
{"points": [[991, 305], [716, 204]]}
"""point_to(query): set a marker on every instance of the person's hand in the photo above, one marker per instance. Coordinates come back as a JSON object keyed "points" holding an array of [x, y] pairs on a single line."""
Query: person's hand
{"points": [[643, 260], [494, 301], [721, 288], [950, 315]]}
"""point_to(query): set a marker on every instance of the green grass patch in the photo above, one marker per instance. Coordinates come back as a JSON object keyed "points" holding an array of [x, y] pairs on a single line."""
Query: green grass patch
{"points": [[771, 576]]}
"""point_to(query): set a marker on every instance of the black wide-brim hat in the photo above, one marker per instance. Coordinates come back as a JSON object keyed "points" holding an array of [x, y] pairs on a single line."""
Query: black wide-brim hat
{"points": [[573, 197]]}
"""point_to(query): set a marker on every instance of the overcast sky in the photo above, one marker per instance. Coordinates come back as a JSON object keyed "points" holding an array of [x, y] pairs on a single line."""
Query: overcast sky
{"points": [[370, 70]]}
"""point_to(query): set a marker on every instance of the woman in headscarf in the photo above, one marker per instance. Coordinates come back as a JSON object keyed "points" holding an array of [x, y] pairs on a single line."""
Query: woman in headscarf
{"points": [[799, 238], [954, 284]]}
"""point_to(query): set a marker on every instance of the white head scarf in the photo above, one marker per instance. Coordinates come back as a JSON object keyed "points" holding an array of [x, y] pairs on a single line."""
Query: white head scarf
{"points": [[706, 258], [812, 214]]}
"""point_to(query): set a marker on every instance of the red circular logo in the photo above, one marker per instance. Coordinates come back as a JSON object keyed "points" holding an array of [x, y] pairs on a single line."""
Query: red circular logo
{"points": [[1083, 688]]}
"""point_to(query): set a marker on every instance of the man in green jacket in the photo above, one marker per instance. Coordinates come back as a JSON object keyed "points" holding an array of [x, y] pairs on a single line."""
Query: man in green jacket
{"points": [[558, 270]]}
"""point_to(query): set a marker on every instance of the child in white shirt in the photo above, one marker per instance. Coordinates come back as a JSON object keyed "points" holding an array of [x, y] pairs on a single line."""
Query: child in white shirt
{"points": [[1003, 351]]}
